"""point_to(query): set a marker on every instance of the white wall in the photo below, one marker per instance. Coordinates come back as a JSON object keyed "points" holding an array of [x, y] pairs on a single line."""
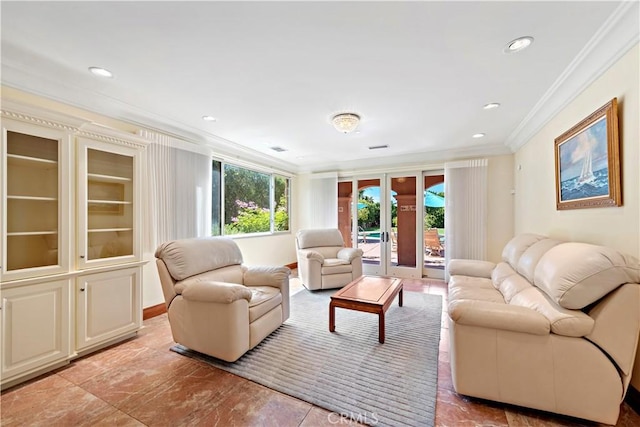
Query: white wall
{"points": [[535, 202], [278, 249], [500, 221]]}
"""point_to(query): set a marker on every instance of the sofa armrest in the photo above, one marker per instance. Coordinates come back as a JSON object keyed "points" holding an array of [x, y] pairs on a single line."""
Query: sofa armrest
{"points": [[310, 254], [276, 277], [220, 292], [349, 254], [494, 315], [471, 267]]}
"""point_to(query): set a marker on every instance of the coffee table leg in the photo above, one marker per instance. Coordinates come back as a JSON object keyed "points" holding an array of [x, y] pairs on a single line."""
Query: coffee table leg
{"points": [[400, 298], [381, 327], [332, 317]]}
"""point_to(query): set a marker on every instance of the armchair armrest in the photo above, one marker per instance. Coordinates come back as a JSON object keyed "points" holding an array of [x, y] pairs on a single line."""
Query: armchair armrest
{"points": [[349, 254], [220, 292], [471, 267], [498, 316], [310, 254], [275, 277]]}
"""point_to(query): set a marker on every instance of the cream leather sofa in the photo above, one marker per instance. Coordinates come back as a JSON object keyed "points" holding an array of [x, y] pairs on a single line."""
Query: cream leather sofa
{"points": [[216, 305], [323, 261], [553, 327]]}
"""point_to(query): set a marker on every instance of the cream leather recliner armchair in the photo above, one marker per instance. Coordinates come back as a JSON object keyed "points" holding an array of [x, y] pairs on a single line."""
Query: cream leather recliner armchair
{"points": [[216, 305], [554, 326], [323, 261]]}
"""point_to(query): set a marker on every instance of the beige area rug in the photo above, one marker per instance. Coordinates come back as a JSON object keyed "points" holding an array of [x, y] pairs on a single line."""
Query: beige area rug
{"points": [[349, 372]]}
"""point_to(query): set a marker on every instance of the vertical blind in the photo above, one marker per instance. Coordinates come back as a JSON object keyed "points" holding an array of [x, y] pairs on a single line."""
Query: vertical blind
{"points": [[323, 200], [465, 217], [178, 199]]}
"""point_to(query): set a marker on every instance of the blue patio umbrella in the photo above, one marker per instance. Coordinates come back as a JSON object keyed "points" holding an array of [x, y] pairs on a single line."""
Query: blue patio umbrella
{"points": [[432, 200]]}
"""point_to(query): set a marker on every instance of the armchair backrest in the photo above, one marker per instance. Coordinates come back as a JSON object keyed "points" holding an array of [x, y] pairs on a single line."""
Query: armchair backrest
{"points": [[325, 241], [189, 257], [311, 238]]}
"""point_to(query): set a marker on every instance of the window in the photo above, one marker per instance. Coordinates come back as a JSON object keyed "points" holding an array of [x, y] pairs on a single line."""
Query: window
{"points": [[246, 201]]}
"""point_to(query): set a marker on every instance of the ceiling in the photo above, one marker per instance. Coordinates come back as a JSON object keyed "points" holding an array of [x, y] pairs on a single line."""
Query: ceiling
{"points": [[274, 73]]}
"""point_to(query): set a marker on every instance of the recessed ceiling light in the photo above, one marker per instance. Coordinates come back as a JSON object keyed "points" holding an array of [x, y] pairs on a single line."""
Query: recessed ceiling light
{"points": [[477, 135], [101, 72], [491, 106], [518, 44], [209, 118]]}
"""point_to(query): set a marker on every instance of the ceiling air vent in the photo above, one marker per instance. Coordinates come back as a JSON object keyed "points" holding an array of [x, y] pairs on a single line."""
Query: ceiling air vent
{"points": [[278, 149], [377, 147]]}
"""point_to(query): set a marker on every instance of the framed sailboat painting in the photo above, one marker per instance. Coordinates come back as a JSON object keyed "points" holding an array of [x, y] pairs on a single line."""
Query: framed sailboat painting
{"points": [[588, 162]]}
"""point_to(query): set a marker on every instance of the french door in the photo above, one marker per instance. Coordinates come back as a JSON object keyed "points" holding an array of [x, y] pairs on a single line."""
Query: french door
{"points": [[382, 215]]}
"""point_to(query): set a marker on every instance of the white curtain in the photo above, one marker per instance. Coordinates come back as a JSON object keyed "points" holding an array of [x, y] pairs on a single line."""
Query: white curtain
{"points": [[465, 215], [178, 191], [323, 200]]}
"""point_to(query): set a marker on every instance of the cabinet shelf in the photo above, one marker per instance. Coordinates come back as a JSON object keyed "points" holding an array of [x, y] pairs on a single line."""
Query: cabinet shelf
{"points": [[18, 160], [31, 233], [106, 178], [110, 202], [108, 230], [33, 198]]}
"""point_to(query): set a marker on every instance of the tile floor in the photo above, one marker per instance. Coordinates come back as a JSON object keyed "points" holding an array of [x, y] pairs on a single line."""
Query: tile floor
{"points": [[140, 382]]}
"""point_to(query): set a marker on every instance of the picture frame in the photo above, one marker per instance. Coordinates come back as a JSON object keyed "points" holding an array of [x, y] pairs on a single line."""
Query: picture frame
{"points": [[587, 161]]}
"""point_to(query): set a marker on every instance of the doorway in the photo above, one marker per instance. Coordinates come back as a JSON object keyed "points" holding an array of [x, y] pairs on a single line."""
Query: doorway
{"points": [[380, 215], [433, 224]]}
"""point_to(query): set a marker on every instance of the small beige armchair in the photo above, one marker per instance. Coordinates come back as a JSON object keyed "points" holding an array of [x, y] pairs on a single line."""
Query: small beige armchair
{"points": [[216, 305], [323, 261]]}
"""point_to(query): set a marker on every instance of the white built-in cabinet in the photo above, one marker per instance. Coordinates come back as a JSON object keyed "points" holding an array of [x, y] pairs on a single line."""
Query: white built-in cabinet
{"points": [[70, 255]]}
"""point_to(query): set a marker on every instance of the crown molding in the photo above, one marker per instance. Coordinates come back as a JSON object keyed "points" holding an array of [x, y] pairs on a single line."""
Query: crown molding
{"points": [[42, 117], [102, 133], [619, 33]]}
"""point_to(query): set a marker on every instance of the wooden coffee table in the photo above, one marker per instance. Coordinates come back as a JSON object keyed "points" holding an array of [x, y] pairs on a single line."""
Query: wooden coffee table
{"points": [[372, 294]]}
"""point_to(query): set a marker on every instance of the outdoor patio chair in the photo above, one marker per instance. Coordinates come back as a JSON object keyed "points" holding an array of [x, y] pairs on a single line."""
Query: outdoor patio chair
{"points": [[432, 242]]}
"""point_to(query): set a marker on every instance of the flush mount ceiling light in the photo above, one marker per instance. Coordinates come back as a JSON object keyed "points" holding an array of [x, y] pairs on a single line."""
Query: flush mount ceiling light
{"points": [[518, 44], [491, 106], [477, 135], [345, 122], [101, 72], [209, 118]]}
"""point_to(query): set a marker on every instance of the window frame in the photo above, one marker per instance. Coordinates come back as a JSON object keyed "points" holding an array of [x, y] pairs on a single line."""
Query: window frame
{"points": [[272, 202]]}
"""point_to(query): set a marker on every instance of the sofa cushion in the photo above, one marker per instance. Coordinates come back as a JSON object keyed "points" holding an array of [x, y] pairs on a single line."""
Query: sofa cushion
{"points": [[512, 286], [575, 275], [501, 272], [473, 288], [570, 323], [515, 247], [188, 257], [530, 258]]}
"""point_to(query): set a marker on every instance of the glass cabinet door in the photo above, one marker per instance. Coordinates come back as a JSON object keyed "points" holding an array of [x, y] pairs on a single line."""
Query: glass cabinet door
{"points": [[33, 202], [107, 202]]}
